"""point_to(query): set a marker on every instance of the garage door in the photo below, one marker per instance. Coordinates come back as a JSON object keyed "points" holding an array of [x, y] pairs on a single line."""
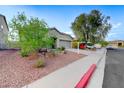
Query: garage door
{"points": [[65, 43]]}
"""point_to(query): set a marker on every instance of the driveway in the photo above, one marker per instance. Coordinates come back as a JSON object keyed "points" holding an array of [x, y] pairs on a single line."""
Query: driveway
{"points": [[114, 69]]}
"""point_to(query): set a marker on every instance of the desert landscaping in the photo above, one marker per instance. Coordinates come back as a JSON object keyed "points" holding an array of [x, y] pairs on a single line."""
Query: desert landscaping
{"points": [[17, 71]]}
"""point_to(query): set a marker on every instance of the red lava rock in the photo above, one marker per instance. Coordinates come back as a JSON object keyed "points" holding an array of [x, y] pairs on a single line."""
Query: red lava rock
{"points": [[17, 71]]}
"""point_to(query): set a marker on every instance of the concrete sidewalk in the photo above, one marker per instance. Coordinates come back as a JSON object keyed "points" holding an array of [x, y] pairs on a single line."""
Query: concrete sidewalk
{"points": [[69, 76], [96, 80]]}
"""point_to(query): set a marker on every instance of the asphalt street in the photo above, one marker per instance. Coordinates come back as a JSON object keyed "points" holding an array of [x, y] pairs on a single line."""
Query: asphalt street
{"points": [[114, 69]]}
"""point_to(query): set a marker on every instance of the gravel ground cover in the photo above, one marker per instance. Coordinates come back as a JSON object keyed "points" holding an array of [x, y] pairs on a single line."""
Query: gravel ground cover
{"points": [[17, 71]]}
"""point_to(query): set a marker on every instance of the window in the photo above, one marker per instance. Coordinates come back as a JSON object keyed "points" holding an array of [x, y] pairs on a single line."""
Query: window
{"points": [[1, 27]]}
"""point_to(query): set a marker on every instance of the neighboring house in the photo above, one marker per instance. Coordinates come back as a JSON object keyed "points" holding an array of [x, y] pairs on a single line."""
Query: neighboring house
{"points": [[117, 43], [3, 32], [61, 39]]}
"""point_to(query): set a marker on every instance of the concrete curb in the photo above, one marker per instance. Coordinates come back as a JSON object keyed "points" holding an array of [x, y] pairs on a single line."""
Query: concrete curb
{"points": [[96, 80], [86, 77]]}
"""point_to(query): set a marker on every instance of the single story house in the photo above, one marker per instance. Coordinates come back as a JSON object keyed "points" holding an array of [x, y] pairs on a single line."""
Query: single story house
{"points": [[61, 39], [117, 43], [3, 32]]}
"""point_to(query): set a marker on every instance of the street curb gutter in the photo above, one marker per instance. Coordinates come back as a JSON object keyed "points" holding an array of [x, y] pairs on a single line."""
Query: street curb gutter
{"points": [[87, 76], [84, 80]]}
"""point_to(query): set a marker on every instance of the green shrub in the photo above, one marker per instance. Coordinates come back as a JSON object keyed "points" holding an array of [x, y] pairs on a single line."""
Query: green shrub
{"points": [[24, 53], [62, 48], [103, 43], [40, 63], [74, 44], [59, 49]]}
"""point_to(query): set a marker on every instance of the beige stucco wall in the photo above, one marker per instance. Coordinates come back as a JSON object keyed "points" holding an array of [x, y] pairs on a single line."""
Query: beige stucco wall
{"points": [[60, 37], [115, 43], [3, 33]]}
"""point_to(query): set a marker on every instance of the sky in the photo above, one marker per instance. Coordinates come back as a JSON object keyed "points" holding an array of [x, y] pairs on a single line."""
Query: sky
{"points": [[61, 16]]}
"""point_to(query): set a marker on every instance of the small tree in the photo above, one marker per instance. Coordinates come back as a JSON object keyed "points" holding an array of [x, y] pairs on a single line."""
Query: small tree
{"points": [[32, 32], [104, 43]]}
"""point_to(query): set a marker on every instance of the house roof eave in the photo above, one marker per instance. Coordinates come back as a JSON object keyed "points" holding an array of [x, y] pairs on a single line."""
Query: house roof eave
{"points": [[5, 21], [60, 32]]}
